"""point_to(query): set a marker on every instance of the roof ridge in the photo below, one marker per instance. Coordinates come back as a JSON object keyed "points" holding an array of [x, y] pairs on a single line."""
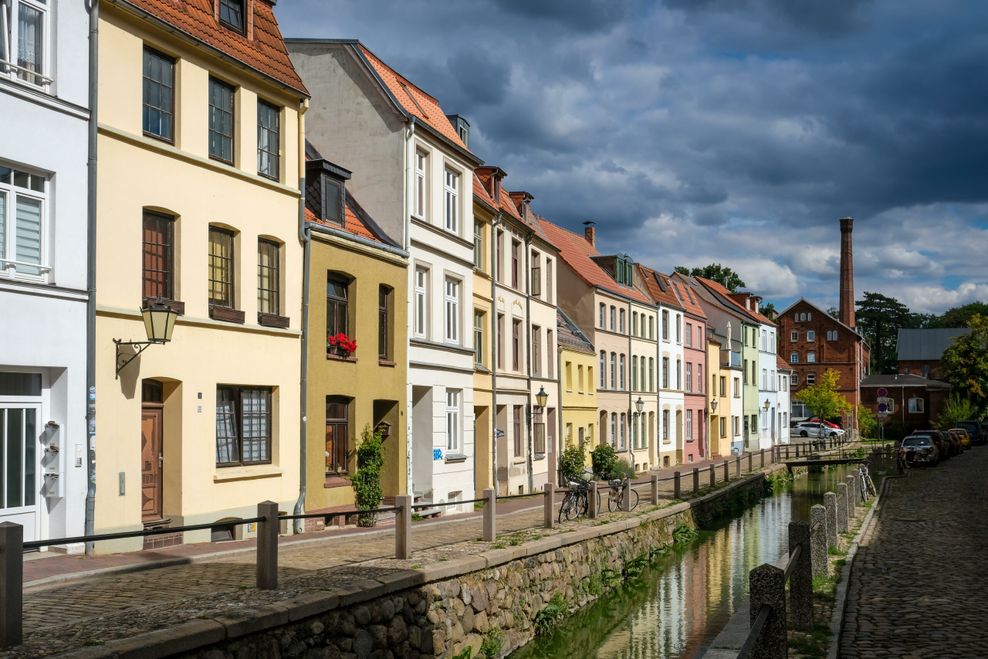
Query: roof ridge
{"points": [[401, 77]]}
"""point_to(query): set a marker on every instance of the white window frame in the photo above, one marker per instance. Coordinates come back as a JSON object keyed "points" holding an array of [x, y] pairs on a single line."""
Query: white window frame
{"points": [[421, 310], [793, 336], [451, 307], [421, 193], [9, 21], [451, 198], [8, 242], [831, 335], [811, 378], [794, 379], [810, 335], [811, 357], [453, 429], [689, 425], [793, 357], [917, 405]]}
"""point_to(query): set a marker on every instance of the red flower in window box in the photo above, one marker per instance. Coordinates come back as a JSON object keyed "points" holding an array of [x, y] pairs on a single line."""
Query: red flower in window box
{"points": [[341, 344]]}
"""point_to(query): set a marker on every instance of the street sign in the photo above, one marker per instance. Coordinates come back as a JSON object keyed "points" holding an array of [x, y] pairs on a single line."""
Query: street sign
{"points": [[883, 408], [882, 392]]}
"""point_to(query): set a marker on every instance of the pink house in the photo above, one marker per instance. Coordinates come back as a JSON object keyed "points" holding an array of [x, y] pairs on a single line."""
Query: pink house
{"points": [[694, 373]]}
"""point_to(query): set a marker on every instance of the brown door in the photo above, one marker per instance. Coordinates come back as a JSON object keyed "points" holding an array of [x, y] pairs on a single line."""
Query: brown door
{"points": [[151, 435]]}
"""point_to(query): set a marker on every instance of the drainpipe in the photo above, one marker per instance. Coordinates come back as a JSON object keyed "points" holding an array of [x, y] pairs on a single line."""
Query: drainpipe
{"points": [[554, 469], [631, 394], [494, 354], [528, 376], [306, 239], [90, 508], [409, 307]]}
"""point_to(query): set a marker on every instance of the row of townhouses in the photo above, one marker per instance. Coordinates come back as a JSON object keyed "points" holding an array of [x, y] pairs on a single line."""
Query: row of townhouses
{"points": [[227, 257]]}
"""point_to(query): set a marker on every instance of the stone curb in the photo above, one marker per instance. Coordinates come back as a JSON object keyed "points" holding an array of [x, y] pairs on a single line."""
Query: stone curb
{"points": [[837, 617]]}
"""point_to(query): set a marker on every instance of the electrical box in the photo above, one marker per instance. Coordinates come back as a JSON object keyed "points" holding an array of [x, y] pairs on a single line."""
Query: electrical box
{"points": [[53, 486]]}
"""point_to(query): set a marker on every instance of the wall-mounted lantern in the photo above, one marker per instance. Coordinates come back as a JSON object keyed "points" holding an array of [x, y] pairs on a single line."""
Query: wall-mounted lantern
{"points": [[159, 321]]}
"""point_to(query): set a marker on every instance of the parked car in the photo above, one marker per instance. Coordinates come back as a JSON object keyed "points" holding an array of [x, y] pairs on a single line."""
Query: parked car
{"points": [[975, 430], [920, 449], [962, 436], [829, 424], [940, 438], [817, 429]]}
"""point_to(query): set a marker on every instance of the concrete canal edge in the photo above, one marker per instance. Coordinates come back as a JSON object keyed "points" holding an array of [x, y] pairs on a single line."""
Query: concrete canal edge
{"points": [[490, 599]]}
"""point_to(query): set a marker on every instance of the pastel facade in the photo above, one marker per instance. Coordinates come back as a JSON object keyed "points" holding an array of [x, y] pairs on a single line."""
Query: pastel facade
{"points": [[44, 101], [199, 163], [413, 173], [577, 370], [484, 214], [784, 398], [769, 413], [697, 426], [357, 287], [719, 392]]}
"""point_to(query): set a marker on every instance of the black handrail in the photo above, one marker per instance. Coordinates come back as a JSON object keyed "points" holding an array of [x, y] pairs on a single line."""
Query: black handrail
{"points": [[340, 513], [161, 530], [756, 631]]}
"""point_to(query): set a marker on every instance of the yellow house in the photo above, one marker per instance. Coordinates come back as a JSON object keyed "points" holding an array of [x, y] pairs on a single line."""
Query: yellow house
{"points": [[200, 130], [577, 360], [484, 214], [718, 400], [357, 288]]}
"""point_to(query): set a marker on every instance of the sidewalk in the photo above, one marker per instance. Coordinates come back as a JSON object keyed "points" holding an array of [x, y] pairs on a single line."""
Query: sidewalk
{"points": [[917, 586]]}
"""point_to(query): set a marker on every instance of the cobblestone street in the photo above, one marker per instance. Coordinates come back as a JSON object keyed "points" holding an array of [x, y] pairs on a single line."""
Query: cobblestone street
{"points": [[918, 586]]}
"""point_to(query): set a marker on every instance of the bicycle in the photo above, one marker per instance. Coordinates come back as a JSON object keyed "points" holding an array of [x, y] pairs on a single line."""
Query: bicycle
{"points": [[576, 502], [616, 494], [867, 485]]}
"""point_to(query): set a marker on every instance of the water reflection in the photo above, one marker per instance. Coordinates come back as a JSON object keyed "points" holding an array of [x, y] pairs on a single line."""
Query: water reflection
{"points": [[688, 597]]}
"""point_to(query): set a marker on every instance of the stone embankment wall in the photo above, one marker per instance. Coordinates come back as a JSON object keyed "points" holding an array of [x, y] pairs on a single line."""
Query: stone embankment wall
{"points": [[482, 602]]}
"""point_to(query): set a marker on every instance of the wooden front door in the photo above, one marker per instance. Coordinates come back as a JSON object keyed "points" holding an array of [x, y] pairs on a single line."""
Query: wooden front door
{"points": [[151, 459]]}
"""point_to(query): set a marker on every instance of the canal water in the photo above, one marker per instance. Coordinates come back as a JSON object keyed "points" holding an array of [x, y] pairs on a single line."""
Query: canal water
{"points": [[682, 603]]}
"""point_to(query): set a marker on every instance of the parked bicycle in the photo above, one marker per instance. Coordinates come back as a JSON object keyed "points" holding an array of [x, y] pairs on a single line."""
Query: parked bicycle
{"points": [[616, 494], [867, 485], [576, 502]]}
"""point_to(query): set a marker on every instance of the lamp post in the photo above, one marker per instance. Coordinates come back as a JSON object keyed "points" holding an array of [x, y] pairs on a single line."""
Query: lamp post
{"points": [[711, 426], [159, 321], [541, 399]]}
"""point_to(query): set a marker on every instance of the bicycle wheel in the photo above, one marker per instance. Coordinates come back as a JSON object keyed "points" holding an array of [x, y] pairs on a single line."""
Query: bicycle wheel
{"points": [[565, 508], [634, 499], [613, 501], [582, 504]]}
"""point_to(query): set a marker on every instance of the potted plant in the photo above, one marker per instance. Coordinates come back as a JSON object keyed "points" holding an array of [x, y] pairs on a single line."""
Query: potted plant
{"points": [[341, 345]]}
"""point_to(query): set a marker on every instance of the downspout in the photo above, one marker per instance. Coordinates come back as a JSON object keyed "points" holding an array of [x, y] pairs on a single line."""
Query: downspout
{"points": [[494, 343], [528, 375], [409, 307], [554, 469], [90, 508], [306, 239], [631, 395]]}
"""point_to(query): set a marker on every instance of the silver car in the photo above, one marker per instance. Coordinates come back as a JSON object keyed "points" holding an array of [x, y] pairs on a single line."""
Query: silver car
{"points": [[920, 449]]}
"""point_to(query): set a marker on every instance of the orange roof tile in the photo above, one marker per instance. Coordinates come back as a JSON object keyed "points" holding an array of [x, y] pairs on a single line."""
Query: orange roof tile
{"points": [[351, 223], [481, 193], [686, 297], [782, 364], [265, 52], [663, 297], [721, 290], [413, 99], [577, 253]]}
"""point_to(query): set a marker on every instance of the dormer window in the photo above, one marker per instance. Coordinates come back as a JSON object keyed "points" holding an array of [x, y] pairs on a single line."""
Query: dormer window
{"points": [[332, 200], [325, 190], [232, 14], [462, 128], [622, 270]]}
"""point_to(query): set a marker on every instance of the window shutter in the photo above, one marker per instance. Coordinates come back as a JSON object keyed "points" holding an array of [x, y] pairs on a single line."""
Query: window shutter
{"points": [[28, 233]]}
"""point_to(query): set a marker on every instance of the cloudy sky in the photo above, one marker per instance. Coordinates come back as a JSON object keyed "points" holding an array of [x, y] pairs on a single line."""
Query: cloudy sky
{"points": [[736, 131]]}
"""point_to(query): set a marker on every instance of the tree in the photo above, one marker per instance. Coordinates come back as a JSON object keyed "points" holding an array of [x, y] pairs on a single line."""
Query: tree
{"points": [[823, 398], [867, 422], [720, 273], [965, 363], [957, 408], [879, 318], [572, 463], [961, 316], [768, 310]]}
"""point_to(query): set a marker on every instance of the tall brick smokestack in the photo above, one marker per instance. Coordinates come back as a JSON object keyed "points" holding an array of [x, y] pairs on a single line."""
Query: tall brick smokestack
{"points": [[846, 272]]}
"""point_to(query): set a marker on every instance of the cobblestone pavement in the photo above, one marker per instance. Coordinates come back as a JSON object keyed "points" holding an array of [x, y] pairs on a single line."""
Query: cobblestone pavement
{"points": [[918, 587]]}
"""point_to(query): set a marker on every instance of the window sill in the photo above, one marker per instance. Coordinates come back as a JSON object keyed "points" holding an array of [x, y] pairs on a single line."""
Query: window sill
{"points": [[226, 314], [538, 456], [336, 480], [387, 363], [175, 305], [455, 458], [272, 320], [341, 358], [229, 474], [518, 461]]}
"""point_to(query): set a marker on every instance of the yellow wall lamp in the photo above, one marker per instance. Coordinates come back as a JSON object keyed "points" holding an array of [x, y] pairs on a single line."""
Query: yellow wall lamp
{"points": [[159, 321]]}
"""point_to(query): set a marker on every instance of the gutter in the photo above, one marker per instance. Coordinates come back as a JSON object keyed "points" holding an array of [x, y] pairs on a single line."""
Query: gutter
{"points": [[409, 294], [89, 523], [498, 220], [528, 375], [306, 239], [339, 233]]}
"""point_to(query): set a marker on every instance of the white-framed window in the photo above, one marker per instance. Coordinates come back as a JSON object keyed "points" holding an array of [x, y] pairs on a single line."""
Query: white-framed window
{"points": [[622, 369], [603, 316], [689, 425], [764, 340], [451, 295], [421, 183], [689, 335], [602, 368], [831, 335], [916, 405], [794, 379], [679, 374], [793, 357], [810, 335], [794, 336], [634, 372], [624, 430], [614, 430], [421, 327], [665, 426], [811, 378], [451, 186], [679, 328], [453, 420], [24, 40], [665, 325], [689, 377], [764, 379], [23, 224], [621, 321], [811, 357]]}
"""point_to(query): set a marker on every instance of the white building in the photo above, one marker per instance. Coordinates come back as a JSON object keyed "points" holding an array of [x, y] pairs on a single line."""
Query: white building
{"points": [[672, 402], [784, 399], [44, 96], [414, 175], [769, 419]]}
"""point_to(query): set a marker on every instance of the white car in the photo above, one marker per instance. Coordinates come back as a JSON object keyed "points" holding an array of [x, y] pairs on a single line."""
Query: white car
{"points": [[817, 429]]}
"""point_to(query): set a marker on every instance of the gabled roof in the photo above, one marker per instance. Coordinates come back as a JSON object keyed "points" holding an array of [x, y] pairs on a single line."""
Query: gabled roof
{"points": [[480, 193], [570, 336], [578, 253], [762, 318], [902, 380], [262, 50], [926, 344], [658, 287], [722, 296], [819, 310], [686, 297], [782, 364], [355, 222]]}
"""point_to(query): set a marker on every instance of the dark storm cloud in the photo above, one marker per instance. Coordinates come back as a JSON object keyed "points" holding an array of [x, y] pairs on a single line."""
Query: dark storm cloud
{"points": [[736, 130]]}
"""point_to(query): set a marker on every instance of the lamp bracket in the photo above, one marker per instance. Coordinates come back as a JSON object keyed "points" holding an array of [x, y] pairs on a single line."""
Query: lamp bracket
{"points": [[141, 347]]}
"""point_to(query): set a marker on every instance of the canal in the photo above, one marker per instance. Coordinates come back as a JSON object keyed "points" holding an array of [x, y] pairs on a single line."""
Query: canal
{"points": [[680, 605]]}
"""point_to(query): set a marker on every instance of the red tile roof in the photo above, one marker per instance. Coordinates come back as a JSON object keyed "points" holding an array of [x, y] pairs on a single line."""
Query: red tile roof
{"points": [[782, 364], [480, 192], [265, 52], [577, 253], [686, 297], [352, 223], [740, 297], [664, 297], [722, 291], [413, 99]]}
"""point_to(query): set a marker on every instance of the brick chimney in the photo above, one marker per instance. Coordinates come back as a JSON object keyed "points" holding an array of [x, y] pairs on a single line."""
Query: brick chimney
{"points": [[846, 273], [590, 232]]}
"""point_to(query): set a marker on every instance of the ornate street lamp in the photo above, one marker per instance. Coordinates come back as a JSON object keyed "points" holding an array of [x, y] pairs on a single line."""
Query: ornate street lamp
{"points": [[159, 321], [766, 405], [541, 399], [639, 405], [713, 406]]}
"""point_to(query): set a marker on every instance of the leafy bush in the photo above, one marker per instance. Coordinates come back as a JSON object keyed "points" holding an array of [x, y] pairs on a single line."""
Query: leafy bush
{"points": [[571, 463], [491, 646], [957, 408], [366, 481], [683, 535], [547, 618], [604, 460], [867, 423], [623, 469]]}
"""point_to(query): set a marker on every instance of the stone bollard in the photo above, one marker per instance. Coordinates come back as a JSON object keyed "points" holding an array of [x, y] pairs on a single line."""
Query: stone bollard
{"points": [[655, 489], [749, 462], [713, 475], [737, 467], [403, 526], [842, 507], [626, 498], [548, 500], [767, 587], [593, 502], [761, 458], [727, 471], [830, 503], [852, 495], [11, 584], [696, 480], [797, 451], [267, 546], [490, 515], [818, 540], [801, 577]]}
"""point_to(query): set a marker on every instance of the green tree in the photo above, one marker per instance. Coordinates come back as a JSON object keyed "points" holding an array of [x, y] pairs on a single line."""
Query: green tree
{"points": [[823, 397], [867, 422], [957, 408], [604, 460], [961, 316], [720, 273], [366, 481], [768, 310], [965, 363], [571, 463], [879, 318]]}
